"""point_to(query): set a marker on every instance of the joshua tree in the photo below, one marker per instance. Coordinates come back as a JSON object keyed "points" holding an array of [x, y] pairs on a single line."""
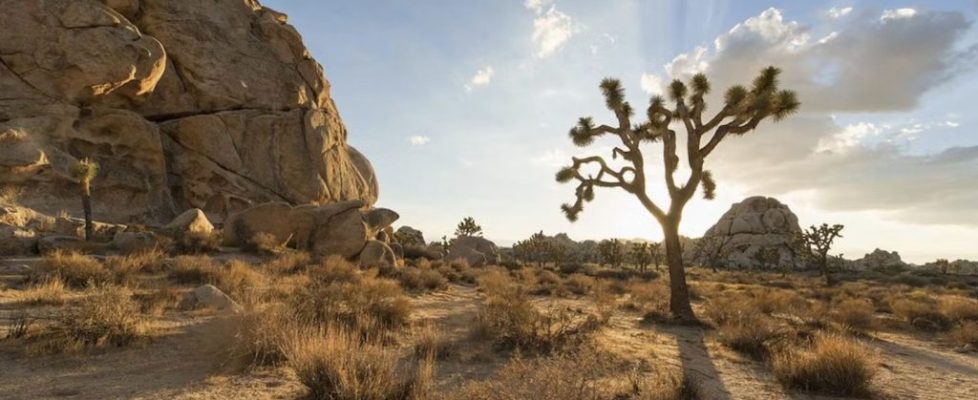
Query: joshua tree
{"points": [[612, 252], [655, 249], [641, 255], [743, 110], [468, 227], [818, 241], [85, 172], [942, 264], [535, 249]]}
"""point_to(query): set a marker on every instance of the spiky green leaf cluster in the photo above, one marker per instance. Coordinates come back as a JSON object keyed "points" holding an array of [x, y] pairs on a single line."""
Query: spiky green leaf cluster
{"points": [[571, 211], [709, 186], [677, 90], [583, 133], [700, 84], [565, 174], [85, 170], [614, 93]]}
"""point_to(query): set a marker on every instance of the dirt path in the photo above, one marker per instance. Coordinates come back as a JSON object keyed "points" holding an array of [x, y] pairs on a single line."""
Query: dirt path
{"points": [[186, 363]]}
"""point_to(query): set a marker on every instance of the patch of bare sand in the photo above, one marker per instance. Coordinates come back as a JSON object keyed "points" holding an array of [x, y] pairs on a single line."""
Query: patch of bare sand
{"points": [[187, 362]]}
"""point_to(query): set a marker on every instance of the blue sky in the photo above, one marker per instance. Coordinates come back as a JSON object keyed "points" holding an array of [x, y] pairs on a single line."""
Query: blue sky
{"points": [[463, 107]]}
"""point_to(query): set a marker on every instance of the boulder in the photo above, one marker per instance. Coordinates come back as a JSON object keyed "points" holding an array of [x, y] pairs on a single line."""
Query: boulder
{"points": [[15, 241], [134, 242], [377, 254], [408, 236], [477, 251], [379, 219], [758, 232], [215, 105], [192, 222], [271, 219], [209, 296]]}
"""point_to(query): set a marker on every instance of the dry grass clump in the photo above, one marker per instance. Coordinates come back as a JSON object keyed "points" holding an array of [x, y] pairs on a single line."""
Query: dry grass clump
{"points": [[582, 375], [197, 243], [649, 298], [238, 279], [432, 342], [857, 316], [49, 292], [958, 309], [832, 365], [509, 317], [921, 314], [108, 317], [287, 263], [362, 301], [340, 365], [421, 279], [158, 300], [751, 334], [261, 333], [74, 269], [125, 269], [579, 284], [965, 334]]}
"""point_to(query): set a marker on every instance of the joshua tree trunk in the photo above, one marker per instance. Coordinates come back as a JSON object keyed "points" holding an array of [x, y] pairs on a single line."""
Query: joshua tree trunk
{"points": [[678, 290], [87, 206]]}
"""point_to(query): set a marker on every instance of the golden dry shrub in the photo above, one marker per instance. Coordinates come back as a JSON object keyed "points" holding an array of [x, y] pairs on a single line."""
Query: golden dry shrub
{"points": [[964, 334], [959, 309], [340, 365], [579, 284], [74, 269], [921, 314], [854, 315], [108, 316], [367, 304], [49, 292], [831, 365], [751, 334]]}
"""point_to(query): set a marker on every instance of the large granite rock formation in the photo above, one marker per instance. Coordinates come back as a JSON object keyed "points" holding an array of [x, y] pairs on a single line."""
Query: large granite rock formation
{"points": [[758, 232], [212, 104], [880, 260]]}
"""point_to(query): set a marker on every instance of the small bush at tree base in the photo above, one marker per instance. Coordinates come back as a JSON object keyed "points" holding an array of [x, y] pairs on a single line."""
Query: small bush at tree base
{"points": [[833, 365], [750, 334], [108, 317]]}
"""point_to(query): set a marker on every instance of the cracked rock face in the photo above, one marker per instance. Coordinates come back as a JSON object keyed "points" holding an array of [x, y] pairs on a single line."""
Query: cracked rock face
{"points": [[214, 105]]}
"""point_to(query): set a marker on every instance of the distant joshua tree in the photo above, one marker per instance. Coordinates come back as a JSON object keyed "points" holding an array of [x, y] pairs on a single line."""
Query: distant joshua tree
{"points": [[943, 264], [641, 255], [85, 172], [655, 249], [818, 241], [743, 110], [468, 227], [612, 252]]}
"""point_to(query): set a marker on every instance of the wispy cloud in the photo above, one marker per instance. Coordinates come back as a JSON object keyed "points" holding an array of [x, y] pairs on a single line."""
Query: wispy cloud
{"points": [[551, 27], [837, 12], [419, 140], [900, 13], [481, 78]]}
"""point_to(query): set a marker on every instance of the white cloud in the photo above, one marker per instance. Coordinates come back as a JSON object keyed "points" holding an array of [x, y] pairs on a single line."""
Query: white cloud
{"points": [[900, 13], [537, 6], [419, 140], [836, 12], [951, 124], [828, 38], [551, 29], [652, 84], [481, 78], [849, 137]]}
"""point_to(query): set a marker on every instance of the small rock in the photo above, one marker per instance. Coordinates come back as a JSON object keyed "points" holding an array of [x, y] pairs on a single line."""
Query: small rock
{"points": [[377, 254], [209, 296], [191, 222]]}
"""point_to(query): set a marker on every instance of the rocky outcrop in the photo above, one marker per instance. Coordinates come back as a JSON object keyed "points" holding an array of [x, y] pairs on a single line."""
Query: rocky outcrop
{"points": [[880, 260], [758, 232], [215, 105], [477, 251], [340, 229], [408, 236]]}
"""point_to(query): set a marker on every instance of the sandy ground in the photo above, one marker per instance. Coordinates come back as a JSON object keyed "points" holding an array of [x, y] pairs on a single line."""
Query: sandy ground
{"points": [[188, 362]]}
